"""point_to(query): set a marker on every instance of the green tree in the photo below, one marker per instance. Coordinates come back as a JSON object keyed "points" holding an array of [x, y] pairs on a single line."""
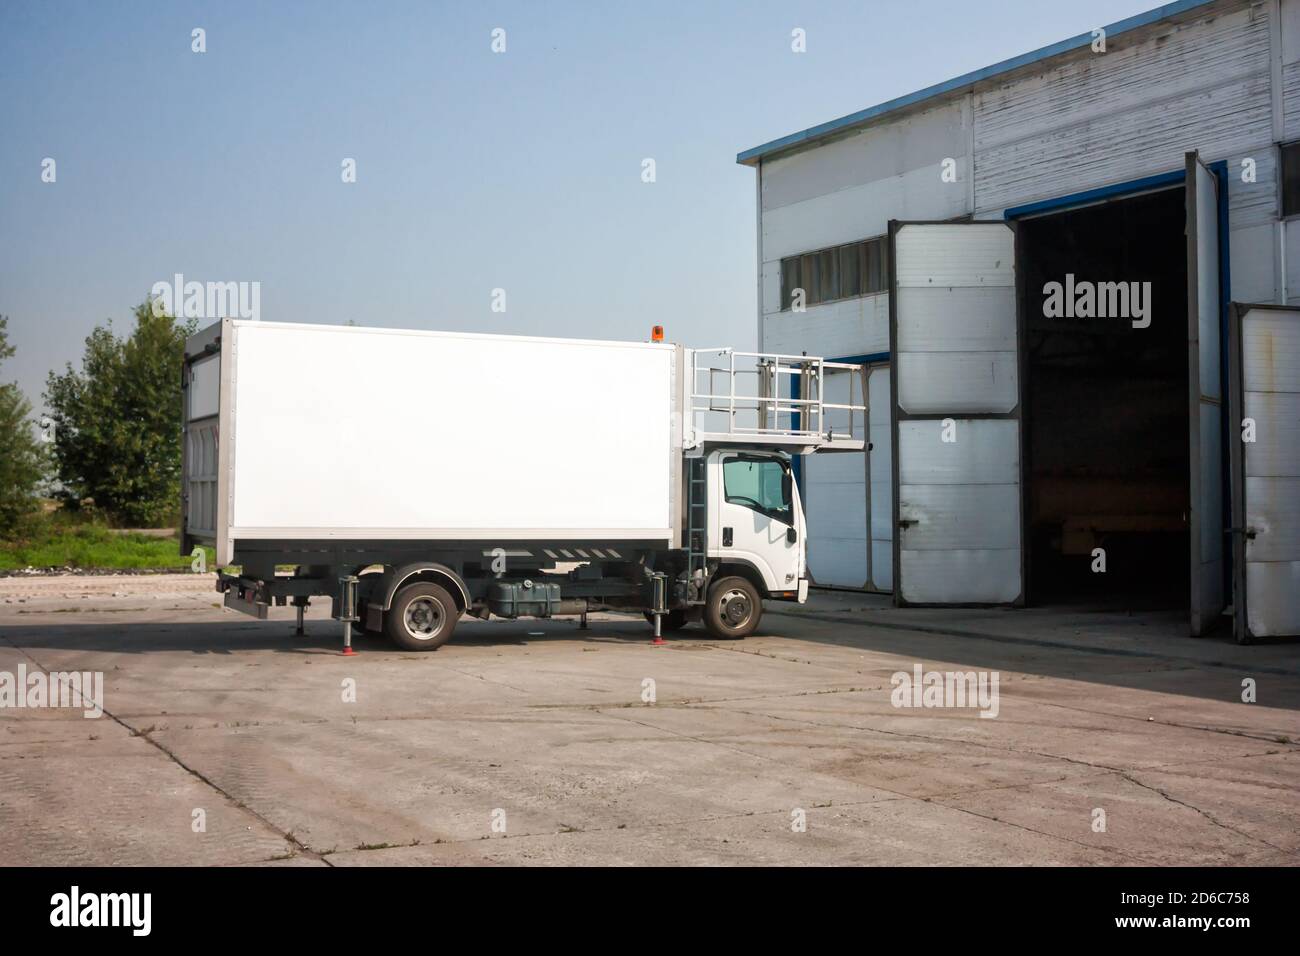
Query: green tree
{"points": [[117, 435], [22, 457]]}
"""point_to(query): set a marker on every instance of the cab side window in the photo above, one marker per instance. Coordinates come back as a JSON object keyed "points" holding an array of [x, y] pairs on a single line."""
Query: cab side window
{"points": [[761, 484]]}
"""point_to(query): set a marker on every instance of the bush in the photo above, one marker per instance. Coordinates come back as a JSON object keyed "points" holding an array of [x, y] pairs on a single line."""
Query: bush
{"points": [[117, 421]]}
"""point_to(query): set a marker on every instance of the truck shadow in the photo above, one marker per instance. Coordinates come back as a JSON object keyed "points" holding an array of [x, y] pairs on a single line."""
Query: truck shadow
{"points": [[323, 637], [1147, 652], [861, 651]]}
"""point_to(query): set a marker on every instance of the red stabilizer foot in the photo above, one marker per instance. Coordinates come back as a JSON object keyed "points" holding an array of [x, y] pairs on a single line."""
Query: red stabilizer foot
{"points": [[349, 652], [658, 642]]}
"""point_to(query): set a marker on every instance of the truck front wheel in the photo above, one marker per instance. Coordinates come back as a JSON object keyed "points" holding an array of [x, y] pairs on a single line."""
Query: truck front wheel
{"points": [[734, 609], [422, 617]]}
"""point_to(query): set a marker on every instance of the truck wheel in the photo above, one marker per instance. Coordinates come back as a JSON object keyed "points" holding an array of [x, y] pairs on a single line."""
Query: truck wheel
{"points": [[422, 617], [673, 620], [733, 609]]}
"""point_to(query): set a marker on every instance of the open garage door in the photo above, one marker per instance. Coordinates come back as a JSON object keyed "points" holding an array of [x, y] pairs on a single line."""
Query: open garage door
{"points": [[954, 339], [1204, 311], [1265, 440]]}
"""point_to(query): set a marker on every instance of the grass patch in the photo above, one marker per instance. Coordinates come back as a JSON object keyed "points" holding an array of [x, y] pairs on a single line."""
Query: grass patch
{"points": [[59, 540]]}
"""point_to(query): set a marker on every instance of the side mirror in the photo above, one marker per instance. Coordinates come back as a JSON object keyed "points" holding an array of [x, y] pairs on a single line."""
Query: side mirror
{"points": [[791, 535]]}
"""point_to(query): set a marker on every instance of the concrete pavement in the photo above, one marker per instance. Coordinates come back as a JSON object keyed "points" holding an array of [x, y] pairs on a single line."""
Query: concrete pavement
{"points": [[1116, 740]]}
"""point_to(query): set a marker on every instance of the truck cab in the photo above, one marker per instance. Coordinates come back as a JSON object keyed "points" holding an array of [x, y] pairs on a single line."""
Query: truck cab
{"points": [[749, 544], [757, 518]]}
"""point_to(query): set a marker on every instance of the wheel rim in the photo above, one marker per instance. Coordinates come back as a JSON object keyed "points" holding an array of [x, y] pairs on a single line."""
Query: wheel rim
{"points": [[423, 618], [735, 608]]}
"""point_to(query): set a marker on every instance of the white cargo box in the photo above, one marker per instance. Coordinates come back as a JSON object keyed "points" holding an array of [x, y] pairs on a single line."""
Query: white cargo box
{"points": [[314, 433]]}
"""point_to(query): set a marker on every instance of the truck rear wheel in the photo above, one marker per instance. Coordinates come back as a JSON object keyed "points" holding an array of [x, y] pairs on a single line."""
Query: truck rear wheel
{"points": [[733, 609], [422, 617]]}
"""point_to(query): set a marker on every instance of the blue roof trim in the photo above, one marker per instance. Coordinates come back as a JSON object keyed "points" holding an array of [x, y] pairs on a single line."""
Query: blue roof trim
{"points": [[751, 157], [1160, 180]]}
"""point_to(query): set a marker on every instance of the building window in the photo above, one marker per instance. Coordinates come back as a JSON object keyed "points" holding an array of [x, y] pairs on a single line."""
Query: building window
{"points": [[840, 272], [1290, 179], [789, 281]]}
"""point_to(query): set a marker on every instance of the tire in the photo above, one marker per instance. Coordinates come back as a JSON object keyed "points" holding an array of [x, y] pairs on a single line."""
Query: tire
{"points": [[423, 617], [733, 609], [673, 620]]}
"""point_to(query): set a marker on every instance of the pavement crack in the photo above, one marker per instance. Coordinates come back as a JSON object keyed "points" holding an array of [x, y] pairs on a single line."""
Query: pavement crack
{"points": [[486, 680], [675, 733], [146, 735], [932, 738], [1209, 729], [1051, 836], [1204, 813]]}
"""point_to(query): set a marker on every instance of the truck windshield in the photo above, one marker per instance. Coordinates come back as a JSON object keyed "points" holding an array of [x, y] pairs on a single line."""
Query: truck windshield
{"points": [[760, 484]]}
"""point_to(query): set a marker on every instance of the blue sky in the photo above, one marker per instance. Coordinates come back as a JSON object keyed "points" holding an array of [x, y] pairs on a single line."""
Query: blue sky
{"points": [[475, 170]]}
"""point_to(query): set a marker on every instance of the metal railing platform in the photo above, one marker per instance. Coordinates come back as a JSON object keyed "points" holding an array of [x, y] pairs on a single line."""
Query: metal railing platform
{"points": [[766, 398]]}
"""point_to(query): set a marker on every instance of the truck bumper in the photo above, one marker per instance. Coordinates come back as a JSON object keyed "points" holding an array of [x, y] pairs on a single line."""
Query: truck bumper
{"points": [[235, 601]]}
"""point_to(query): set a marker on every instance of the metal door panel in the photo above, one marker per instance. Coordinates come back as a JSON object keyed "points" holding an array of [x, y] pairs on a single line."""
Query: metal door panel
{"points": [[978, 576], [954, 383], [1204, 309], [985, 451], [1265, 388], [954, 333], [961, 516]]}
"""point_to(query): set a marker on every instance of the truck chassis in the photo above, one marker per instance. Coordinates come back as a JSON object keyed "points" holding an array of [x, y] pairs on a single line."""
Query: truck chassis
{"points": [[416, 597]]}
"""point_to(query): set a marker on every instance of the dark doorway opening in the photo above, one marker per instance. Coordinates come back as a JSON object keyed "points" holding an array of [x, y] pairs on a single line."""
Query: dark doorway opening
{"points": [[1106, 406]]}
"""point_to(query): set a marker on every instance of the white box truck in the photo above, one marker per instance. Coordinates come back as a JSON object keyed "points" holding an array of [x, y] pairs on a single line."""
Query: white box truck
{"points": [[413, 477]]}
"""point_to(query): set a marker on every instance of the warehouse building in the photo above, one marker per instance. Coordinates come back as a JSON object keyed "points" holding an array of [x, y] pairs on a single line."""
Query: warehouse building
{"points": [[1038, 262]]}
